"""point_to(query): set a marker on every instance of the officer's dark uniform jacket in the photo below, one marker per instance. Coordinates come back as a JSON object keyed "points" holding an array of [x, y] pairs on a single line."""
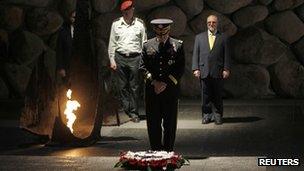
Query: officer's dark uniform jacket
{"points": [[163, 64]]}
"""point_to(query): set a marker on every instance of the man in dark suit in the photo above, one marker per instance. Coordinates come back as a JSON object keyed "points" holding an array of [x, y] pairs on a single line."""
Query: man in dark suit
{"points": [[65, 45], [163, 64], [211, 64]]}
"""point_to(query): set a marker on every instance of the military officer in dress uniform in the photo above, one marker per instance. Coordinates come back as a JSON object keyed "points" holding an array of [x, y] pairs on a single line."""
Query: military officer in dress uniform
{"points": [[163, 64]]}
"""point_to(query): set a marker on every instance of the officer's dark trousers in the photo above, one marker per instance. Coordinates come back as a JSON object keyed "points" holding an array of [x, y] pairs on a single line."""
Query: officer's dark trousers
{"points": [[128, 82], [161, 111], [212, 94]]}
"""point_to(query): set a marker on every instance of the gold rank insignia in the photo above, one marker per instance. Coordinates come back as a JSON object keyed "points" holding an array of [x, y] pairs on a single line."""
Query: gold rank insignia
{"points": [[151, 51]]}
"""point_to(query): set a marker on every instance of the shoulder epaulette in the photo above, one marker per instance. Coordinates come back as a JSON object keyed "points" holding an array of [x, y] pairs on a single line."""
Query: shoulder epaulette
{"points": [[176, 40], [151, 40]]}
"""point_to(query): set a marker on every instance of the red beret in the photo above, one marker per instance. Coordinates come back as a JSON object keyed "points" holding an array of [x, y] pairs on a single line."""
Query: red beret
{"points": [[125, 5]]}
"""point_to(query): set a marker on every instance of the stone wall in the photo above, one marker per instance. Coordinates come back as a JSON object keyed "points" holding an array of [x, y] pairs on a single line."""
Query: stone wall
{"points": [[266, 39], [28, 32]]}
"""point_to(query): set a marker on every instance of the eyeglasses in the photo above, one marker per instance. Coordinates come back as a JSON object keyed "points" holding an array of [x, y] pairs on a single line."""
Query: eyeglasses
{"points": [[211, 22]]}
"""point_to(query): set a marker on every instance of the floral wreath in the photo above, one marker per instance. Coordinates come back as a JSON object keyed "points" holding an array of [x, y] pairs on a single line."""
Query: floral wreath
{"points": [[150, 160]]}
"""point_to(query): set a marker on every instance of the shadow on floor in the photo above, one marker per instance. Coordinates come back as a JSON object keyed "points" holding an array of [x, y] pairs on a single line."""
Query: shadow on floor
{"points": [[122, 138], [241, 119]]}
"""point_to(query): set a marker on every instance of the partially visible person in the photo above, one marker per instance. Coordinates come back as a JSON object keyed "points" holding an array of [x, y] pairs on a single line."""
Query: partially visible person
{"points": [[163, 63], [65, 45], [42, 93], [211, 65], [3, 51], [125, 46]]}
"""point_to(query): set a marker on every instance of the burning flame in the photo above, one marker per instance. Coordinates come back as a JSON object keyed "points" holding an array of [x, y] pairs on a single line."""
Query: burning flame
{"points": [[71, 106]]}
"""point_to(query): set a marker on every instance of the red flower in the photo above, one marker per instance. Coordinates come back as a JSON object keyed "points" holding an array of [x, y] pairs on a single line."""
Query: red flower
{"points": [[142, 160], [142, 163], [164, 163]]}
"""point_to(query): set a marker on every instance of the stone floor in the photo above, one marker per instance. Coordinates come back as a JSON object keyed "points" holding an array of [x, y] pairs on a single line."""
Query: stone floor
{"points": [[251, 129]]}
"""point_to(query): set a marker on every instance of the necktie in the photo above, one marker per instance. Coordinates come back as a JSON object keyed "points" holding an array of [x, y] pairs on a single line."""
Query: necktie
{"points": [[211, 40], [161, 46]]}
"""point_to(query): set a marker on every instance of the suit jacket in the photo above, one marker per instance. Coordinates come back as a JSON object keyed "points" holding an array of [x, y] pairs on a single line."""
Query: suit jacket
{"points": [[64, 47], [3, 51], [211, 62]]}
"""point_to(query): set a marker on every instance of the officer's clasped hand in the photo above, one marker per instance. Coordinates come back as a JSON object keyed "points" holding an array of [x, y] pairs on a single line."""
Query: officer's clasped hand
{"points": [[159, 86], [197, 73]]}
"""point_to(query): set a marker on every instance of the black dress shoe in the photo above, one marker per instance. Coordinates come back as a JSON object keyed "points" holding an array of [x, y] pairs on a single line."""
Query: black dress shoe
{"points": [[207, 118], [218, 120], [205, 121], [135, 119]]}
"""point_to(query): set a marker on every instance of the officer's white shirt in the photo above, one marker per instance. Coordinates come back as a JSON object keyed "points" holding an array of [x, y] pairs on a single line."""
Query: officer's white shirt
{"points": [[126, 38]]}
